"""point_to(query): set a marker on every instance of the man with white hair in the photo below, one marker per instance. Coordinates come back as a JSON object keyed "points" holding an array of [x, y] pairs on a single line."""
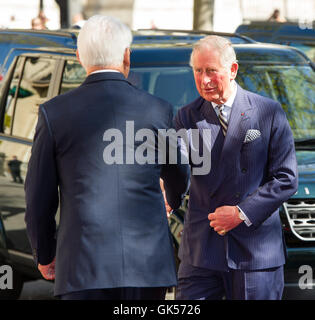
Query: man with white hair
{"points": [[240, 255], [113, 240]]}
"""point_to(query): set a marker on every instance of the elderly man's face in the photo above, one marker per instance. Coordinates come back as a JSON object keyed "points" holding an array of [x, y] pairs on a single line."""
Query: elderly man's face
{"points": [[213, 80]]}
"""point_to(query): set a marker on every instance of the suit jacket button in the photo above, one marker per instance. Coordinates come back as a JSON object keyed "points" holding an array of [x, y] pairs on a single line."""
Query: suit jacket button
{"points": [[237, 195], [244, 170]]}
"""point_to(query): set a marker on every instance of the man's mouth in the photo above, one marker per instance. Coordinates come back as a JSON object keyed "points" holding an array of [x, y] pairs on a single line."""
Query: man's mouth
{"points": [[209, 89]]}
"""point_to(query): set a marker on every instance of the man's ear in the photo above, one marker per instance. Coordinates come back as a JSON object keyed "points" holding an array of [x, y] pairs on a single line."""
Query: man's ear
{"points": [[126, 62], [234, 69], [78, 57]]}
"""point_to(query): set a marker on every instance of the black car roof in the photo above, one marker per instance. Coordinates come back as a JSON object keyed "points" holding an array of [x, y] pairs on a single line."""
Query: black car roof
{"points": [[38, 37], [188, 36], [273, 31], [173, 47], [170, 54]]}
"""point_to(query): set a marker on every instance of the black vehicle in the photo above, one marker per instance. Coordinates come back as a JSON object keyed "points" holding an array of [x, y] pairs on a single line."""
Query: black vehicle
{"points": [[160, 65], [299, 35], [11, 39]]}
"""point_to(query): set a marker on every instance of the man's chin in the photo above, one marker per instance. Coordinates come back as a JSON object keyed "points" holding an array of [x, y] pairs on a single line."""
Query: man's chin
{"points": [[210, 96]]}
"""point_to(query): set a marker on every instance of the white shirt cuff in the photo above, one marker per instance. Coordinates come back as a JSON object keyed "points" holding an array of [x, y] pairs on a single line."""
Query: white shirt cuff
{"points": [[247, 221]]}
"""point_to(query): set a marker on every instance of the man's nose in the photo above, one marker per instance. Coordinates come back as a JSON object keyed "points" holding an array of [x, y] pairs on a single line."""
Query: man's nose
{"points": [[206, 80]]}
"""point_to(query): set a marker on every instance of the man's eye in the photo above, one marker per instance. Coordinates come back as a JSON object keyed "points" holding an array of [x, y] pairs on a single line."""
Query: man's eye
{"points": [[198, 70]]}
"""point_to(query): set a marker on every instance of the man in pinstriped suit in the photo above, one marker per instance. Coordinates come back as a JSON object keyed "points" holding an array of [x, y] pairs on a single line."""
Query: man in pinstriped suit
{"points": [[232, 243]]}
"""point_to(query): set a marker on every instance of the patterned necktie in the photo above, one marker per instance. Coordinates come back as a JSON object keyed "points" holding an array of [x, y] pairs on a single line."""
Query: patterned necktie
{"points": [[223, 119]]}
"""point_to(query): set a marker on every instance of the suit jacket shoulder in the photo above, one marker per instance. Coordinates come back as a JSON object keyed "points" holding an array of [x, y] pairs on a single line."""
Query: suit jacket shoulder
{"points": [[153, 103], [191, 106], [187, 113], [101, 89], [257, 100]]}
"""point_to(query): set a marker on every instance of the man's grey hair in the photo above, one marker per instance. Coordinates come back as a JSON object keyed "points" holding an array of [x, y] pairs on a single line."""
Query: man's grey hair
{"points": [[222, 45], [102, 41]]}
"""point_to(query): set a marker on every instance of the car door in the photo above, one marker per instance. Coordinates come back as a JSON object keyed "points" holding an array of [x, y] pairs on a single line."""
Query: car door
{"points": [[29, 84]]}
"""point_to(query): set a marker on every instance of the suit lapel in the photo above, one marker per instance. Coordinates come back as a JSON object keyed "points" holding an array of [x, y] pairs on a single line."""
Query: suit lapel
{"points": [[211, 121], [225, 150], [239, 123]]}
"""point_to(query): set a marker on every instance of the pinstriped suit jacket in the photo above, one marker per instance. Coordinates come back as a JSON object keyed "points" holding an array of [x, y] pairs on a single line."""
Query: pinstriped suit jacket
{"points": [[258, 176]]}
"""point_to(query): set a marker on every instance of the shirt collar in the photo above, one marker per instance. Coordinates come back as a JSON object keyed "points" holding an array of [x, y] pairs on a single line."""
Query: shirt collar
{"points": [[104, 70], [230, 101]]}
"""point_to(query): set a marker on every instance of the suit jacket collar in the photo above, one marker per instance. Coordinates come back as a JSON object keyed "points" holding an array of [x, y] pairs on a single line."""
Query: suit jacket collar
{"points": [[103, 76], [228, 147], [239, 123], [240, 114], [239, 120]]}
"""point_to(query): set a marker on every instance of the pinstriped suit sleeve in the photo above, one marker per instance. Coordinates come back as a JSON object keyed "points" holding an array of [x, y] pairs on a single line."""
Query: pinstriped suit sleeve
{"points": [[41, 191], [282, 173], [175, 176]]}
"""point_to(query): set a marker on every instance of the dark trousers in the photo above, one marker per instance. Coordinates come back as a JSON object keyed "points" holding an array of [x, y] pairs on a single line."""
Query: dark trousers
{"points": [[117, 294], [16, 176], [203, 284]]}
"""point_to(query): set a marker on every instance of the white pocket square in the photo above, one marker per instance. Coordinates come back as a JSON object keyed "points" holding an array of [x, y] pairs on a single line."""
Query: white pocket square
{"points": [[251, 135]]}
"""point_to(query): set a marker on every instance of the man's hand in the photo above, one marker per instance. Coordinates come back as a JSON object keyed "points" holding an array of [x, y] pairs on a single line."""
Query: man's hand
{"points": [[167, 206], [224, 219], [48, 270]]}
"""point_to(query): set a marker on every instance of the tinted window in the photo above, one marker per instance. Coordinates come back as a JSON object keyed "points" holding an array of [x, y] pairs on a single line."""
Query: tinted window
{"points": [[9, 109], [175, 85], [293, 87], [309, 50], [73, 76], [266, 55], [21, 116]]}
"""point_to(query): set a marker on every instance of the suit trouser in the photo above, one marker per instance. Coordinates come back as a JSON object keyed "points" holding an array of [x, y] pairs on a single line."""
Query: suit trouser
{"points": [[149, 293], [203, 284]]}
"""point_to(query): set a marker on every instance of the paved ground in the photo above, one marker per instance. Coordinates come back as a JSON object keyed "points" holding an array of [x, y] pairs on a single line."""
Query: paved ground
{"points": [[43, 290], [37, 290]]}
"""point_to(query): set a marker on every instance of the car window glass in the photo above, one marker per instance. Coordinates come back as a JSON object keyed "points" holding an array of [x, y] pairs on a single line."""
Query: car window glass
{"points": [[11, 94], [292, 86], [73, 75], [32, 92], [308, 50], [175, 85]]}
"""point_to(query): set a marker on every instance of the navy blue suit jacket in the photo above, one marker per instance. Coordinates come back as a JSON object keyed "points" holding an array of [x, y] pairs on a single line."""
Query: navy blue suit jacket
{"points": [[113, 228], [258, 176]]}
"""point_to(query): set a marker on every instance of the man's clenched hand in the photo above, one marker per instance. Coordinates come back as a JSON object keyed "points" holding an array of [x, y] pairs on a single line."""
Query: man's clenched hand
{"points": [[48, 270], [224, 219]]}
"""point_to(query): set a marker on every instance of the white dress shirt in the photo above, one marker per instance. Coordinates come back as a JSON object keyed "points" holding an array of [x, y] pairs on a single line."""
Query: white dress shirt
{"points": [[104, 70], [228, 104]]}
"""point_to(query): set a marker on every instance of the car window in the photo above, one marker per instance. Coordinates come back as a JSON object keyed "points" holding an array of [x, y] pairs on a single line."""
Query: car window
{"points": [[11, 94], [29, 93], [292, 86], [73, 75], [175, 85], [309, 50]]}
